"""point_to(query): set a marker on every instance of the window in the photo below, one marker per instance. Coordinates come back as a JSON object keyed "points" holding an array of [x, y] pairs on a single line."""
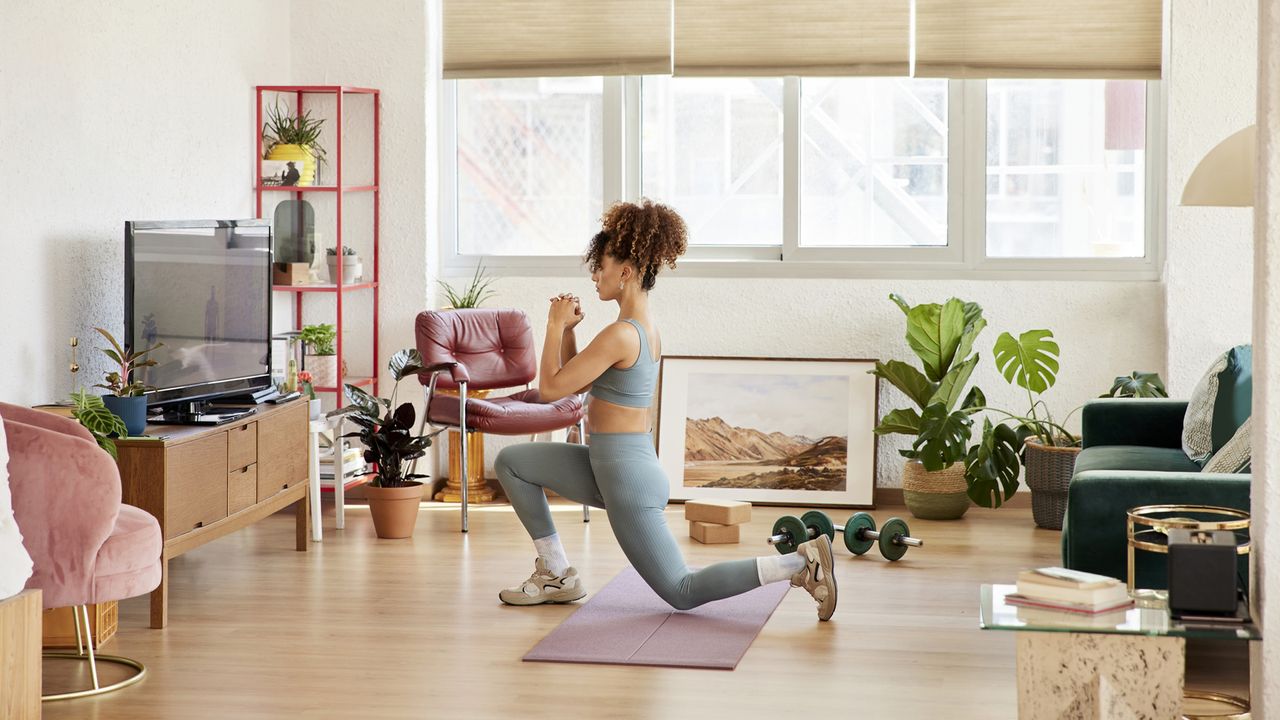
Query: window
{"points": [[827, 175], [529, 165], [1066, 168]]}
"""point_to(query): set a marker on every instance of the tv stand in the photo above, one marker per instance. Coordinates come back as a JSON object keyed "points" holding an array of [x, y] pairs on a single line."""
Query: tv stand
{"points": [[202, 483]]}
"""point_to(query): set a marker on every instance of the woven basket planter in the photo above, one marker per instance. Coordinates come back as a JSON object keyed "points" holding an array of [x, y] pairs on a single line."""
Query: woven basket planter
{"points": [[937, 495], [1049, 470]]}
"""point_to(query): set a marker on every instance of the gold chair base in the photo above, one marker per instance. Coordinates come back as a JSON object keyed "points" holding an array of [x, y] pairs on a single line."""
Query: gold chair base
{"points": [[134, 678]]}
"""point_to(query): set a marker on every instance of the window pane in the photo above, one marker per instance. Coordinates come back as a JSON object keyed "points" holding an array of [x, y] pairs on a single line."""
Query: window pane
{"points": [[530, 165], [1066, 168], [874, 162], [712, 149]]}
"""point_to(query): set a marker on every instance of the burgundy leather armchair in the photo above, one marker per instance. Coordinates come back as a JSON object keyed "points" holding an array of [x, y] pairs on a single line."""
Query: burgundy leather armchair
{"points": [[483, 349]]}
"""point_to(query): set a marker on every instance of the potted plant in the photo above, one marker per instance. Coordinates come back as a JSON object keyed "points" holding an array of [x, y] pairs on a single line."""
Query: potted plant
{"points": [[944, 473], [294, 139], [314, 408], [387, 432], [319, 354], [351, 267], [471, 295], [94, 416], [126, 399]]}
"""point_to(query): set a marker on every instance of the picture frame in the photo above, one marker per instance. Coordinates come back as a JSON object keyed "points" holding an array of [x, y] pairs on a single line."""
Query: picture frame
{"points": [[777, 431]]}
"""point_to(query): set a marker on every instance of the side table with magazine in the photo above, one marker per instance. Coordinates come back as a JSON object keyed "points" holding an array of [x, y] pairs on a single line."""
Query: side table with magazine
{"points": [[1125, 662]]}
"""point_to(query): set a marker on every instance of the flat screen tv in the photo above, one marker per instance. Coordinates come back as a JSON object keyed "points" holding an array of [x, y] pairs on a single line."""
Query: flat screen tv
{"points": [[202, 288]]}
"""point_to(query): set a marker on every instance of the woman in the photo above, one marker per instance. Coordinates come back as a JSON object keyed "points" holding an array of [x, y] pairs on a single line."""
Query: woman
{"points": [[619, 470]]}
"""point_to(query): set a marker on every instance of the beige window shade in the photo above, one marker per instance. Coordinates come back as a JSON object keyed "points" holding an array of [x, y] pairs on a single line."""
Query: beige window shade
{"points": [[1115, 39], [791, 37], [534, 38]]}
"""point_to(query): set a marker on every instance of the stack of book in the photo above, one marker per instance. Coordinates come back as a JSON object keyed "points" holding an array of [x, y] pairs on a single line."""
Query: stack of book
{"points": [[353, 466], [1055, 588]]}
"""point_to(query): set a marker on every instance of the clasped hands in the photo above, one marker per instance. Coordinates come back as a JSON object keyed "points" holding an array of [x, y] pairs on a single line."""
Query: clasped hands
{"points": [[566, 310]]}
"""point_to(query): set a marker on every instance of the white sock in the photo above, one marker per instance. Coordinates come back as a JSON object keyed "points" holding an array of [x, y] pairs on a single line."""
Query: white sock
{"points": [[552, 553], [776, 568]]}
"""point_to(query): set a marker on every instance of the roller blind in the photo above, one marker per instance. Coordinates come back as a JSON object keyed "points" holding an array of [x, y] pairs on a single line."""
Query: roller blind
{"points": [[791, 37], [1116, 39], [534, 38]]}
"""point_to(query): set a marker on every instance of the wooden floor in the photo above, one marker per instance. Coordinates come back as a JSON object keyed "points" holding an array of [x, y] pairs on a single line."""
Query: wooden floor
{"points": [[367, 628]]}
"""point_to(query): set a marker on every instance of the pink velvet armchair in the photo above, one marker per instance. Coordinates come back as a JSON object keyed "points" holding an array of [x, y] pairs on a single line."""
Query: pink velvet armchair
{"points": [[86, 546]]}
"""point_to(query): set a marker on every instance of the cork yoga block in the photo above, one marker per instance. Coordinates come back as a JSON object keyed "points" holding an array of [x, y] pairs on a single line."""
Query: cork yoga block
{"points": [[720, 512], [713, 534]]}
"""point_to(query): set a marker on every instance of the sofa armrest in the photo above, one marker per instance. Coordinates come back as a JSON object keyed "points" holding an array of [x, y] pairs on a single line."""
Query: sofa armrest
{"points": [[1154, 422], [1094, 537]]}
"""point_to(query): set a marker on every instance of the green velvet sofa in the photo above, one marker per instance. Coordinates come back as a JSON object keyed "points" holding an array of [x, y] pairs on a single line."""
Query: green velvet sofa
{"points": [[1133, 456]]}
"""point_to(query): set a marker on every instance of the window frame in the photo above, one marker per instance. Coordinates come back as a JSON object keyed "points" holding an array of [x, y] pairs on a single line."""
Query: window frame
{"points": [[964, 256]]}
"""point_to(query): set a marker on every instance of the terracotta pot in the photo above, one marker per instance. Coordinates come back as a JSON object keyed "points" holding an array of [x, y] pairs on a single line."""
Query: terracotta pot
{"points": [[394, 509], [937, 495]]}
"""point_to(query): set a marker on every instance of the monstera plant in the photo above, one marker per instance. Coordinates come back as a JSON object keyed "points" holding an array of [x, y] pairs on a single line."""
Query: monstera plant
{"points": [[950, 471]]}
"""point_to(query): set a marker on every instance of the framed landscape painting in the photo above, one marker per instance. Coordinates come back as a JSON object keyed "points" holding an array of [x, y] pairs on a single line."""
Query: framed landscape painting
{"points": [[770, 431]]}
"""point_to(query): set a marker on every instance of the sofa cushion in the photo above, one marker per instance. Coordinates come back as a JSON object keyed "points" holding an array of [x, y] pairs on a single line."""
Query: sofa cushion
{"points": [[1133, 457], [1219, 405], [1236, 456]]}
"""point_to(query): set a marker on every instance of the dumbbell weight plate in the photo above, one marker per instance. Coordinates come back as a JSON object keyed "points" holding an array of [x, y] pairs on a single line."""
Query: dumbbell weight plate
{"points": [[789, 525], [893, 527], [860, 521], [820, 522]]}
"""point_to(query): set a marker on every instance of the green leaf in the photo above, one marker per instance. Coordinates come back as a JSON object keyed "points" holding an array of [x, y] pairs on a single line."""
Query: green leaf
{"points": [[406, 362], [991, 466], [905, 421], [1031, 361], [943, 437], [897, 299], [111, 339], [908, 379], [364, 402], [948, 391], [1140, 385], [975, 399], [933, 332], [970, 335]]}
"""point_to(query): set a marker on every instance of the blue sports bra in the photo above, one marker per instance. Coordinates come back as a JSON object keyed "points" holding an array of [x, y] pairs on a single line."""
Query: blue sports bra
{"points": [[633, 386]]}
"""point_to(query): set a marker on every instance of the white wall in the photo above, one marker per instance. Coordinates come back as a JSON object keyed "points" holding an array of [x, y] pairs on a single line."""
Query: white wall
{"points": [[1208, 274], [110, 112]]}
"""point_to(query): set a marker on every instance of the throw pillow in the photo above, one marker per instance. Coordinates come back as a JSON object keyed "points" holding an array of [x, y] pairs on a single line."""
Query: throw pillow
{"points": [[1218, 405], [1236, 455], [15, 563]]}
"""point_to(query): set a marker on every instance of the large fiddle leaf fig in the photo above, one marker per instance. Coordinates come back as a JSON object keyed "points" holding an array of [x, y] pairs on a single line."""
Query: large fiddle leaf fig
{"points": [[934, 332], [905, 421], [948, 391], [908, 379]]}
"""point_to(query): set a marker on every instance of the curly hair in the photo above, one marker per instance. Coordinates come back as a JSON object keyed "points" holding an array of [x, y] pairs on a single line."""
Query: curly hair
{"points": [[649, 234]]}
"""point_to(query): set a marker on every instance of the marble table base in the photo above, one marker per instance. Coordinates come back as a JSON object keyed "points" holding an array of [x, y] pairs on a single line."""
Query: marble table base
{"points": [[1089, 676]]}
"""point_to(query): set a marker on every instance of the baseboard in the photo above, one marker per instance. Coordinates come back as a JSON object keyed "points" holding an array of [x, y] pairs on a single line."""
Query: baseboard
{"points": [[893, 496]]}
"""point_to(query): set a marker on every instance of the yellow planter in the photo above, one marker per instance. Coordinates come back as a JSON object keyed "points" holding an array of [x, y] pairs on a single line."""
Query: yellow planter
{"points": [[304, 161]]}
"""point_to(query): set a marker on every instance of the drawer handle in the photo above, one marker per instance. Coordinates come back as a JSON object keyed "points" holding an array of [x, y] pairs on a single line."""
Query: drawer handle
{"points": [[199, 524], [244, 470]]}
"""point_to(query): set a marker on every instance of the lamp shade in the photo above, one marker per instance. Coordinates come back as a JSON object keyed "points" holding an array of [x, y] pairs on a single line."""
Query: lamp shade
{"points": [[1225, 176]]}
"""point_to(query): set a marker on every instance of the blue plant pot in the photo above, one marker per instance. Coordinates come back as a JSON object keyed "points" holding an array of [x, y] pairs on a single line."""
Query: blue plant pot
{"points": [[132, 410]]}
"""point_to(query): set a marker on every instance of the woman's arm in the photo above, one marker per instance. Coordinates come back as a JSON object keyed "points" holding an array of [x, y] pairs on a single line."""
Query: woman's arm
{"points": [[568, 346], [608, 348]]}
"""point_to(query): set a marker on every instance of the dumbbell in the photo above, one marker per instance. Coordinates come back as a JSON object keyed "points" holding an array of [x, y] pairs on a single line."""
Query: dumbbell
{"points": [[859, 533]]}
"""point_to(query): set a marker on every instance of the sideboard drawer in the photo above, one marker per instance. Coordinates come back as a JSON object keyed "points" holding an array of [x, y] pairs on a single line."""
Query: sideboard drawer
{"points": [[242, 446], [242, 489], [196, 492]]}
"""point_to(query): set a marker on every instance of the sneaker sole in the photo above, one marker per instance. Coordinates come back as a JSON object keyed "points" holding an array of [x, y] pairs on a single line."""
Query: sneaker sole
{"points": [[826, 560], [525, 600]]}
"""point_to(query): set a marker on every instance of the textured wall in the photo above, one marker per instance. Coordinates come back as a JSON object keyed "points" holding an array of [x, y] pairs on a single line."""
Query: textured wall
{"points": [[1104, 328], [111, 112], [1208, 271], [1265, 689]]}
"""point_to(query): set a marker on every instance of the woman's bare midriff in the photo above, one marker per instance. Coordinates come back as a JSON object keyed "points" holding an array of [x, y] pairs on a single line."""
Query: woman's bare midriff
{"points": [[606, 417]]}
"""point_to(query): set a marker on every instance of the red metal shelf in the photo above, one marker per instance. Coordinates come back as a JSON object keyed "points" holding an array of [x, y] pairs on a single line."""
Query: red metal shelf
{"points": [[329, 287], [316, 188], [339, 190]]}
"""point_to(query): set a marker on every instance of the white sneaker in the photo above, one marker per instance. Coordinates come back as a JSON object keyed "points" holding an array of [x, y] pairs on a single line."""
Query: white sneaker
{"points": [[544, 586], [817, 577]]}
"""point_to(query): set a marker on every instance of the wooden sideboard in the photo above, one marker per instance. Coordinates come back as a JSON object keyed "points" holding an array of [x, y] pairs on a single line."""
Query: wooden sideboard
{"points": [[20, 670], [204, 482]]}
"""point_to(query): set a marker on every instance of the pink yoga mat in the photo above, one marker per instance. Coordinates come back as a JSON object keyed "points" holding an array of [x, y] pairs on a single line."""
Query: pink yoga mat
{"points": [[626, 623]]}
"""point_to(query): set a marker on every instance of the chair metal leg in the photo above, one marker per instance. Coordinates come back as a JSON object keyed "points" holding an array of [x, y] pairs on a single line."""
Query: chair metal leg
{"points": [[81, 614], [79, 637], [462, 437], [582, 440]]}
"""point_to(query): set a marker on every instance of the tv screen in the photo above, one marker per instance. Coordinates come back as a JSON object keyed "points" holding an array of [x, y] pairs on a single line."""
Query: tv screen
{"points": [[203, 290]]}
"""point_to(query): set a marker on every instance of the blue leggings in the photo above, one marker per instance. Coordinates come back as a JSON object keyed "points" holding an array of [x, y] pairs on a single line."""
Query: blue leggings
{"points": [[618, 472]]}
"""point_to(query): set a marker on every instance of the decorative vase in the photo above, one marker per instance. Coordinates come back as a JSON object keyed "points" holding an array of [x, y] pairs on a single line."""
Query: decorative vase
{"points": [[315, 408], [304, 161], [132, 410], [352, 269], [937, 495], [323, 369], [1048, 475], [394, 509]]}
